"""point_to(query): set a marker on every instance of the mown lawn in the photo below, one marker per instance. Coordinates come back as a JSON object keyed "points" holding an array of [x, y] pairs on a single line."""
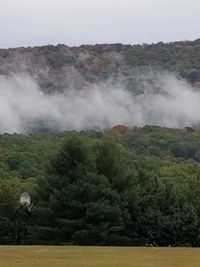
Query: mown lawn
{"points": [[47, 256]]}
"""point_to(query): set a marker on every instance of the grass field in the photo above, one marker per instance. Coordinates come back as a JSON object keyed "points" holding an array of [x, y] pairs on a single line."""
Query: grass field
{"points": [[68, 256]]}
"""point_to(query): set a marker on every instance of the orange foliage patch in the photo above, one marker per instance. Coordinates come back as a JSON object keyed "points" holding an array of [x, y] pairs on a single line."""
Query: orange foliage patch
{"points": [[121, 129]]}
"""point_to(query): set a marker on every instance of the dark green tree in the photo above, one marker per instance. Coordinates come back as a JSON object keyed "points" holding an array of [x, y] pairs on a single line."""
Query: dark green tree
{"points": [[78, 203]]}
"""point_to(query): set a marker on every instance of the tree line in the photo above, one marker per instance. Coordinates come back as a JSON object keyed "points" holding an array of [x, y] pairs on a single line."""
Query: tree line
{"points": [[95, 188]]}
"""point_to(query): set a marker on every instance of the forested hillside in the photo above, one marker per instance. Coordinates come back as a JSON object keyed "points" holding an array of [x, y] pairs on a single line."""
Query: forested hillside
{"points": [[57, 88], [92, 184], [122, 186], [57, 68]]}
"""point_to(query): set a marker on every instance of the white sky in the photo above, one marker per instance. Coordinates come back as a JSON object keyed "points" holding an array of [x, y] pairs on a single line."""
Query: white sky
{"points": [[76, 22]]}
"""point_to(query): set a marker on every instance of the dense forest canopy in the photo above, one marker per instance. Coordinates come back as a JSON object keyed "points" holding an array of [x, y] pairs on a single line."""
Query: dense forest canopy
{"points": [[122, 186]]}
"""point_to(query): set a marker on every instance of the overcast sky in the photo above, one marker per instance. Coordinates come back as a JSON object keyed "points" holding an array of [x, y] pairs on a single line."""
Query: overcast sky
{"points": [[76, 22]]}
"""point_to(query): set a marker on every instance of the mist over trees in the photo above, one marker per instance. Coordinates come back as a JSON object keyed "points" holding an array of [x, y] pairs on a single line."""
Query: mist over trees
{"points": [[54, 88], [93, 185]]}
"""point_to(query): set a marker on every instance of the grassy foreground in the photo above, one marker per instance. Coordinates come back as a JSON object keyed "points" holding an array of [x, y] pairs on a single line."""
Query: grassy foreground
{"points": [[43, 256]]}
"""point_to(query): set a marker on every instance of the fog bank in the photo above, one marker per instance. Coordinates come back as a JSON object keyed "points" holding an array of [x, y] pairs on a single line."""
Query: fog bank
{"points": [[164, 101]]}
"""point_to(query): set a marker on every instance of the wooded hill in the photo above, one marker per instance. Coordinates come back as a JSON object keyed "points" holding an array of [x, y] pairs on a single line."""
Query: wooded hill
{"points": [[122, 186], [57, 68]]}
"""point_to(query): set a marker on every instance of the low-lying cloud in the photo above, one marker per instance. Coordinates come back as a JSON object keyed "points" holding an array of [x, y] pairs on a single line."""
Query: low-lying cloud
{"points": [[165, 101]]}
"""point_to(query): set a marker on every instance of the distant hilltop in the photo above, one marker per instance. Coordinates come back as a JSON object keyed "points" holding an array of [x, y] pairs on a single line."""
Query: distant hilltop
{"points": [[61, 67], [54, 88]]}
